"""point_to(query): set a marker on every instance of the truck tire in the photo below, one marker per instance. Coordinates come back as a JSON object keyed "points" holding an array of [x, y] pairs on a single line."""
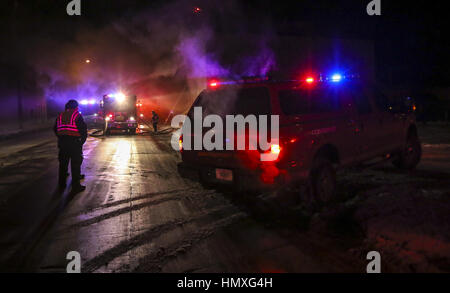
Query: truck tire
{"points": [[323, 181], [408, 158], [132, 131]]}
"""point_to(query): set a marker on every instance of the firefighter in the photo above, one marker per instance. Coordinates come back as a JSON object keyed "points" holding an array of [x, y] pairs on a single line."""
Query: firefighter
{"points": [[155, 120], [71, 131]]}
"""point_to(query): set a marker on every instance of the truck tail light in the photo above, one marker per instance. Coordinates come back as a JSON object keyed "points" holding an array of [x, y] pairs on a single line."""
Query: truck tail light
{"points": [[272, 154], [275, 149]]}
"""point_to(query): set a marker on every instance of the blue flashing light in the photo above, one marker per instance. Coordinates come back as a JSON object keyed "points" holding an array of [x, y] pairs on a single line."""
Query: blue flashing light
{"points": [[84, 102], [336, 77]]}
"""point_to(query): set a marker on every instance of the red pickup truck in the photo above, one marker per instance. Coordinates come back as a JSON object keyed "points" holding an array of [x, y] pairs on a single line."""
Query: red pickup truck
{"points": [[323, 125]]}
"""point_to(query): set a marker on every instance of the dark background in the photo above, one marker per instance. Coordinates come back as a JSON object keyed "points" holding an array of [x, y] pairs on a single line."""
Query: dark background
{"points": [[135, 42], [411, 37]]}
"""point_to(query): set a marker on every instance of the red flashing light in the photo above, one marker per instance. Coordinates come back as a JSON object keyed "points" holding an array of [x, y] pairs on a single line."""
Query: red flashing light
{"points": [[310, 79], [213, 84]]}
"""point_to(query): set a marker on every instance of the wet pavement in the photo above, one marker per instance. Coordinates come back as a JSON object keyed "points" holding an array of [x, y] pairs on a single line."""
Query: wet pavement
{"points": [[138, 215]]}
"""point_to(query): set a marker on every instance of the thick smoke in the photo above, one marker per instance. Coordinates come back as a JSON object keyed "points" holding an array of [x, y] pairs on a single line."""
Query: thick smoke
{"points": [[163, 55], [195, 60]]}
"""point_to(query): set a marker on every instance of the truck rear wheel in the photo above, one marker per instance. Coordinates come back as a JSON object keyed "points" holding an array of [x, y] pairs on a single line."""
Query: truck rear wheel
{"points": [[410, 156], [323, 181]]}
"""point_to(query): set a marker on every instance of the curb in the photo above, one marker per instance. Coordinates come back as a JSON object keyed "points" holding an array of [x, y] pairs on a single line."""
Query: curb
{"points": [[24, 132]]}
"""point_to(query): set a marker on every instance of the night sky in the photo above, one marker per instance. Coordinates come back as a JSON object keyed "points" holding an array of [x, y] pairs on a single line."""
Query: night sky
{"points": [[411, 37]]}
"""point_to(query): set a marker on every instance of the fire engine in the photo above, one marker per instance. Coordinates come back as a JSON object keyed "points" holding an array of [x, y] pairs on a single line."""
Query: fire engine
{"points": [[119, 113]]}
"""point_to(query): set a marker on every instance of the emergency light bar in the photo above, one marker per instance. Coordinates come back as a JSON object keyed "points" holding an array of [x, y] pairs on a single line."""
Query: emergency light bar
{"points": [[335, 77], [88, 102], [214, 83], [119, 97]]}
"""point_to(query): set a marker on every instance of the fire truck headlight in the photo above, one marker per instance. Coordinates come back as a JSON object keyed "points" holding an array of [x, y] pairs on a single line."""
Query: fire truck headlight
{"points": [[120, 97], [132, 119], [107, 118]]}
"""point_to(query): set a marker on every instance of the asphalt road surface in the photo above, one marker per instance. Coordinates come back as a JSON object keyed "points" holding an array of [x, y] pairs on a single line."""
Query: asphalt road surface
{"points": [[138, 215]]}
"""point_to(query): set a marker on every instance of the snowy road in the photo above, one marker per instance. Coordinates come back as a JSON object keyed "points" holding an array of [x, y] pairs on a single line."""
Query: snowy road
{"points": [[139, 215]]}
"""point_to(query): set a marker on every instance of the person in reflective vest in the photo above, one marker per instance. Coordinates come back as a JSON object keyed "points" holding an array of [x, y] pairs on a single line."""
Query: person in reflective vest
{"points": [[71, 131]]}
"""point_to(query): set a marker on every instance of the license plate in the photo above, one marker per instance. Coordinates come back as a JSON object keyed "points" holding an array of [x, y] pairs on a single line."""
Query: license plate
{"points": [[224, 174]]}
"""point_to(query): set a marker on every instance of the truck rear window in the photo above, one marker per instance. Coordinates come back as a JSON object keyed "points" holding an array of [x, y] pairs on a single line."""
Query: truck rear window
{"points": [[309, 101], [244, 101]]}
